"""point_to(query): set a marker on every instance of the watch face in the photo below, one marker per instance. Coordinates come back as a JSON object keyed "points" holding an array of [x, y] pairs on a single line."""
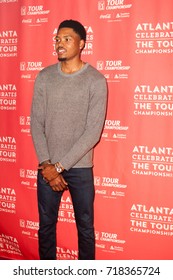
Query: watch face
{"points": [[59, 169]]}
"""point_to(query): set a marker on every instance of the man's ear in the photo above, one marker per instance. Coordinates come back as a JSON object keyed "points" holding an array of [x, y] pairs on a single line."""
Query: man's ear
{"points": [[82, 44]]}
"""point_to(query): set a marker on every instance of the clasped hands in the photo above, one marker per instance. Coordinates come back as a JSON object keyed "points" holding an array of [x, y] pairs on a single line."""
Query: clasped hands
{"points": [[51, 176]]}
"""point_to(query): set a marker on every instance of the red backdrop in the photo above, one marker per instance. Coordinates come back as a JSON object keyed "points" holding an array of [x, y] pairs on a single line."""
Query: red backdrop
{"points": [[131, 43]]}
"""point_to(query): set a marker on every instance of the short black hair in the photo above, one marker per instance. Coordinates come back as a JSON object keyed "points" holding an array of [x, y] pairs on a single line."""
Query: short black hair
{"points": [[76, 26]]}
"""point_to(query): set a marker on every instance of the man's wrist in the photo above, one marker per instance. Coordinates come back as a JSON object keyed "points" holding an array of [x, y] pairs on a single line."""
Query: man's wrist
{"points": [[59, 168], [45, 162]]}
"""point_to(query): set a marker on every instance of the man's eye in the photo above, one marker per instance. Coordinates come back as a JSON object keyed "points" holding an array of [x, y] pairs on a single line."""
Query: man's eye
{"points": [[57, 39]]}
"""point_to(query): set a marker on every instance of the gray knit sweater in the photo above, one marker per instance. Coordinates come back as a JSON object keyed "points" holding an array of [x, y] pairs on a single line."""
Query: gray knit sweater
{"points": [[67, 115]]}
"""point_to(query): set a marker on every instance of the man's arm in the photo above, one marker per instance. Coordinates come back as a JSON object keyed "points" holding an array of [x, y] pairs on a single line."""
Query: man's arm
{"points": [[49, 172], [38, 115]]}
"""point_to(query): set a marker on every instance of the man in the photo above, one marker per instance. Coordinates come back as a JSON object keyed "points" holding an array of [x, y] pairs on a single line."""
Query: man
{"points": [[67, 117]]}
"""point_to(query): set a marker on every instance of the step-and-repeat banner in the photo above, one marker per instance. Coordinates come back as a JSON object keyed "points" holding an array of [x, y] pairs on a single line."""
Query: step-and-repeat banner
{"points": [[131, 43]]}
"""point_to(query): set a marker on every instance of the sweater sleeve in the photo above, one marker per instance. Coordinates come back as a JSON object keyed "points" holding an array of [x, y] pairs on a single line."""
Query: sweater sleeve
{"points": [[94, 124], [38, 110]]}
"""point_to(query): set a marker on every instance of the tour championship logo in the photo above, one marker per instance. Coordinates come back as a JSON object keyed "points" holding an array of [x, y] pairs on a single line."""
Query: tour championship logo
{"points": [[153, 100], [113, 10], [113, 70], [29, 228], [153, 220], [114, 131], [34, 15], [29, 69], [24, 122], [109, 188], [66, 213], [152, 161], [8, 97], [8, 43], [109, 241], [7, 149], [7, 200], [9, 244], [154, 38], [28, 178]]}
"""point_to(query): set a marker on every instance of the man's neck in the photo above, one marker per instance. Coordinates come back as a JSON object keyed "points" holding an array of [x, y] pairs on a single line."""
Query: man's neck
{"points": [[69, 67]]}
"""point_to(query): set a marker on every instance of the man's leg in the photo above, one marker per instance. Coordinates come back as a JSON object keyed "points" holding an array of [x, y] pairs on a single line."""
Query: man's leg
{"points": [[81, 187], [48, 206]]}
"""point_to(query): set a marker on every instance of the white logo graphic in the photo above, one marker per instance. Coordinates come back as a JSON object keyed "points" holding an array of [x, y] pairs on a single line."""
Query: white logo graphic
{"points": [[96, 181], [22, 173], [100, 65], [22, 223], [22, 66], [101, 5], [22, 120], [97, 235], [23, 10]]}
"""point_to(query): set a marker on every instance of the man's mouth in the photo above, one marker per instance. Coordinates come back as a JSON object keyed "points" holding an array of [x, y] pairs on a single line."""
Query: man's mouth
{"points": [[61, 51]]}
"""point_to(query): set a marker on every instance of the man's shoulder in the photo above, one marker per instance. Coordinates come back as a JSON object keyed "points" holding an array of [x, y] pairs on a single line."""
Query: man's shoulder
{"points": [[47, 73], [49, 69], [94, 72], [94, 75]]}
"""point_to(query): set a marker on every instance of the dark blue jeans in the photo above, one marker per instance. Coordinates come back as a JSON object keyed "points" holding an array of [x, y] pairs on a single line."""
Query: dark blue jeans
{"points": [[81, 188]]}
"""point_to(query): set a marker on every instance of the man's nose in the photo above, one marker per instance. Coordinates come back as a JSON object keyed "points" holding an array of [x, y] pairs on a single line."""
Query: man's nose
{"points": [[60, 43]]}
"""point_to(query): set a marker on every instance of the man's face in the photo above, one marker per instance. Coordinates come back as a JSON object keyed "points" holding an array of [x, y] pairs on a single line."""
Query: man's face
{"points": [[68, 44]]}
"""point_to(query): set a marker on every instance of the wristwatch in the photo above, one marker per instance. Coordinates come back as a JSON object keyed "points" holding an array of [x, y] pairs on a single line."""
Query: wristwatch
{"points": [[58, 167]]}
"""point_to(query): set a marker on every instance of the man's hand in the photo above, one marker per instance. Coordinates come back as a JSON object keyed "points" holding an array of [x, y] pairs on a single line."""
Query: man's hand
{"points": [[58, 184], [49, 172]]}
